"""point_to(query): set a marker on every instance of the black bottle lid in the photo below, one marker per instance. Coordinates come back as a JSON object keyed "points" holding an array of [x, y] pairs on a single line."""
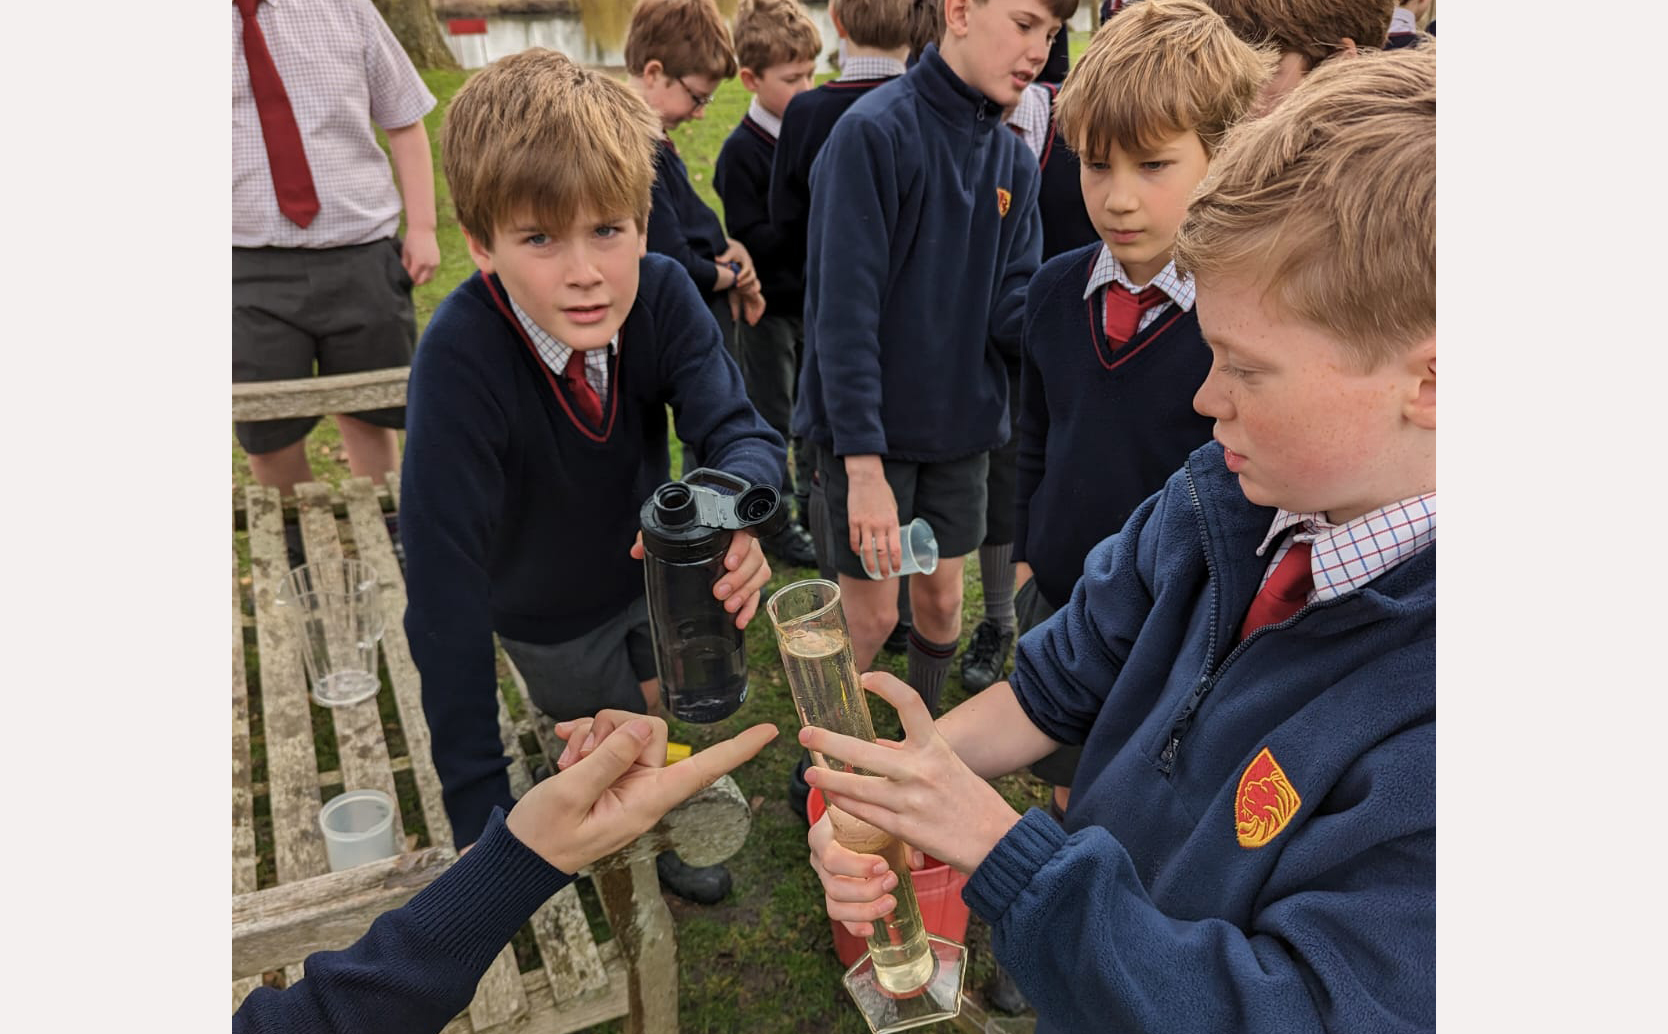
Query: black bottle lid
{"points": [[685, 520]]}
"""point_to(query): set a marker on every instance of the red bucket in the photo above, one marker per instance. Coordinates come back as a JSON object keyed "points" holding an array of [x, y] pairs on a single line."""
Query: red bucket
{"points": [[937, 891]]}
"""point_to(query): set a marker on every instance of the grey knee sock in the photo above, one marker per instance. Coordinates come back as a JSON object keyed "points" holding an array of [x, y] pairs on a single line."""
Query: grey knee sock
{"points": [[996, 574], [929, 663]]}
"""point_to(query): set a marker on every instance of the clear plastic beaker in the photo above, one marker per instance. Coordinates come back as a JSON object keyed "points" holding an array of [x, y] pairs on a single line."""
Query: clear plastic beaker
{"points": [[335, 613], [358, 827], [917, 546]]}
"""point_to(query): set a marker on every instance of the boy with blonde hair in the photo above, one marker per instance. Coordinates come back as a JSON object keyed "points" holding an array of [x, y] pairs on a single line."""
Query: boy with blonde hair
{"points": [[677, 54], [1306, 33], [1250, 663], [538, 403], [776, 46]]}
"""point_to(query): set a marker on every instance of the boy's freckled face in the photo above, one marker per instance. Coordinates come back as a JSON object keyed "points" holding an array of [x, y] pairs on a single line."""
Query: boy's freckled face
{"points": [[779, 84], [1138, 199], [1300, 424], [579, 284], [1005, 42]]}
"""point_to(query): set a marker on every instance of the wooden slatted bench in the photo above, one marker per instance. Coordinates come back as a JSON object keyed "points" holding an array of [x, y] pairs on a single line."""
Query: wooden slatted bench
{"points": [[383, 743]]}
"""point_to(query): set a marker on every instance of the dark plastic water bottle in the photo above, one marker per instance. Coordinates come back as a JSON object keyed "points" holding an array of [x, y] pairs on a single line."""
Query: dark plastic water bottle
{"points": [[699, 652]]}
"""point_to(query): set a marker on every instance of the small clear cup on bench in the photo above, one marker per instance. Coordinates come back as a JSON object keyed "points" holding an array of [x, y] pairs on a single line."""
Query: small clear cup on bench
{"points": [[358, 827], [335, 613], [918, 547]]}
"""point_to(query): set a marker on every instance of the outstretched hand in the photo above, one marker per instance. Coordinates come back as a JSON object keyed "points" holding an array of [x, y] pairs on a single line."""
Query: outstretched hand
{"points": [[921, 791], [621, 787]]}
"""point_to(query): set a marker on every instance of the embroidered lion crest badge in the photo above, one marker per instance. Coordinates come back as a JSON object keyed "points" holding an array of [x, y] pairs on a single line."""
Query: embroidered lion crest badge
{"points": [[1265, 803], [1003, 200]]}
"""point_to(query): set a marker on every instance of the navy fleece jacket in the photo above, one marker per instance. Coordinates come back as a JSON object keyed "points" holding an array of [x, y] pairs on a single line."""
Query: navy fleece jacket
{"points": [[519, 520], [923, 233], [1165, 905]]}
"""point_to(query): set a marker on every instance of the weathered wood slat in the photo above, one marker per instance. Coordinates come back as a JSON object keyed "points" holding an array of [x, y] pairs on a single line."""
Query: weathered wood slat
{"points": [[360, 745], [370, 533], [293, 974], [286, 923], [571, 959], [547, 1016], [241, 989], [338, 505], [520, 781], [642, 927], [499, 997], [314, 396], [292, 767], [243, 798]]}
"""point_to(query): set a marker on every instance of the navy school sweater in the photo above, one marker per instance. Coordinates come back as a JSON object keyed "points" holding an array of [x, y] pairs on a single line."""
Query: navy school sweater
{"points": [[741, 177], [681, 225], [1200, 884], [806, 123], [517, 517], [923, 233], [417, 966], [1099, 431], [1065, 220]]}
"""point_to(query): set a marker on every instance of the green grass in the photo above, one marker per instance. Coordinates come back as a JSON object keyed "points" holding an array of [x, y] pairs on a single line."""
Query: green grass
{"points": [[763, 960]]}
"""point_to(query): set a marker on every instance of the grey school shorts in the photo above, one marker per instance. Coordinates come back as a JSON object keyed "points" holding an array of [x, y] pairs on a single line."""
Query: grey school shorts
{"points": [[1031, 610], [600, 669], [343, 310], [951, 496]]}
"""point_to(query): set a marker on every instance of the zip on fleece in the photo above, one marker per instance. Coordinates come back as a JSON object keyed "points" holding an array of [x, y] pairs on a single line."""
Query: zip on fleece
{"points": [[1168, 756]]}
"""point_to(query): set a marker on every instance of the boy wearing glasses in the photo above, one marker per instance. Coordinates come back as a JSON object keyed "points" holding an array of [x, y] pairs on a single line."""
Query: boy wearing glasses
{"points": [[677, 53]]}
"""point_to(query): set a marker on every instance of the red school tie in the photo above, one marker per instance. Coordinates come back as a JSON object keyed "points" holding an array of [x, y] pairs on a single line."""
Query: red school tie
{"points": [[1285, 592], [584, 396], [292, 181], [1123, 310]]}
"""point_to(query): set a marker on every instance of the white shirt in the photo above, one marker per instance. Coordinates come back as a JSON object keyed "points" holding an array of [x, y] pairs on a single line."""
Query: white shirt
{"points": [[870, 68], [1030, 117], [1108, 270], [768, 122], [556, 355]]}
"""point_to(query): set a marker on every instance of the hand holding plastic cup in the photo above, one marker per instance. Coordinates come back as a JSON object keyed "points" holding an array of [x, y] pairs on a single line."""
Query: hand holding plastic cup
{"points": [[335, 613], [918, 547]]}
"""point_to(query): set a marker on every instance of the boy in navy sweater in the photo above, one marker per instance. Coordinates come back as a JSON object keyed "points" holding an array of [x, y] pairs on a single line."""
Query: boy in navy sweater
{"points": [[923, 233], [1112, 350], [1306, 33], [677, 53], [776, 46], [1250, 664], [538, 423]]}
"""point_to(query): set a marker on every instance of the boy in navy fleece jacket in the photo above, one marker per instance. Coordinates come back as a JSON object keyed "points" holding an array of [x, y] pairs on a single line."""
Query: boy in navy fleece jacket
{"points": [[923, 232], [538, 407], [1250, 664], [776, 46], [677, 53]]}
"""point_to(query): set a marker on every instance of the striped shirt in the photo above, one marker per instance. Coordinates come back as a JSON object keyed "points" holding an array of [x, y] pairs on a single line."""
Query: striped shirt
{"points": [[1344, 557], [1108, 270], [555, 354], [343, 70]]}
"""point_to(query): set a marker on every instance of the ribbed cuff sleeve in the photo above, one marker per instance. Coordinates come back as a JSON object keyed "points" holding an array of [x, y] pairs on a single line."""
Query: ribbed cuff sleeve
{"points": [[477, 905], [1012, 863]]}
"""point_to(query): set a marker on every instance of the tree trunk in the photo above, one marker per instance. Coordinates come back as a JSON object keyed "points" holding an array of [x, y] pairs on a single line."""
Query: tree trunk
{"points": [[418, 30]]}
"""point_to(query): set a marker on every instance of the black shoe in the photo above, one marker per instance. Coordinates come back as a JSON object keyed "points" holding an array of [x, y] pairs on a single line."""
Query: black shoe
{"points": [[898, 641], [985, 657], [1004, 994], [792, 545], [799, 790], [707, 885]]}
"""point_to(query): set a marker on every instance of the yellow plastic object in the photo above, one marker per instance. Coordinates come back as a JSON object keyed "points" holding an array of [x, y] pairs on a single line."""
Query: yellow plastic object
{"points": [[676, 751]]}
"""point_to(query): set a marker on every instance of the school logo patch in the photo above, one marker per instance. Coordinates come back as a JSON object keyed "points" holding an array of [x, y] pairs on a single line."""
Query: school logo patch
{"points": [[1003, 200], [1266, 801]]}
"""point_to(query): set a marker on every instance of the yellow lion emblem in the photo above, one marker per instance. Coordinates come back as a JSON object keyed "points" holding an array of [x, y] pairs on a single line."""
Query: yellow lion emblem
{"points": [[1265, 803], [1003, 200]]}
